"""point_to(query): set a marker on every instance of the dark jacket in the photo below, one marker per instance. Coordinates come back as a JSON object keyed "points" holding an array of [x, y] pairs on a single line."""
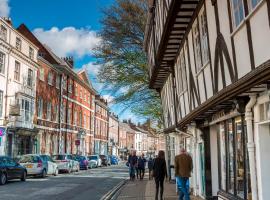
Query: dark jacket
{"points": [[183, 165], [159, 169], [132, 160], [141, 163], [150, 164]]}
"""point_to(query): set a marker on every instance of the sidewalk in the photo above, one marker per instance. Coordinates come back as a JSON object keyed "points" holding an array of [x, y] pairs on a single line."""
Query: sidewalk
{"points": [[145, 190]]}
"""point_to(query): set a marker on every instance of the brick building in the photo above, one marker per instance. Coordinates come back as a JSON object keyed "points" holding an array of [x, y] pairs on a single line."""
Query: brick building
{"points": [[101, 126]]}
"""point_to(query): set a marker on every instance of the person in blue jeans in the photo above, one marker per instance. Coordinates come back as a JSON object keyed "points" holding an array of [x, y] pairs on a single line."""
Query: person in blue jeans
{"points": [[183, 167]]}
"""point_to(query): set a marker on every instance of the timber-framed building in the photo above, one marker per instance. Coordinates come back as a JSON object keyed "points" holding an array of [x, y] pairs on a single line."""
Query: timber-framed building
{"points": [[210, 62]]}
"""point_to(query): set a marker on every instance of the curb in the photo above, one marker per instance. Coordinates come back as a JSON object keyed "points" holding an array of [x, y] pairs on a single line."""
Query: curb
{"points": [[112, 193]]}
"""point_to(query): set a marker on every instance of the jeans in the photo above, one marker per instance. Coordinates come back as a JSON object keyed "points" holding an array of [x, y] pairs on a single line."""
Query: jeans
{"points": [[183, 188], [141, 173], [132, 172]]}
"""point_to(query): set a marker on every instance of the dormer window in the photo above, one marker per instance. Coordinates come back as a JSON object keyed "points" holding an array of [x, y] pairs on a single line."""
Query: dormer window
{"points": [[18, 43], [3, 33]]}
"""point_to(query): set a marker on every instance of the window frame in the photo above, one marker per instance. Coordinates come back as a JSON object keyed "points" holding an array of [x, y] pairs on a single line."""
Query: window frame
{"points": [[1, 103], [50, 78], [18, 44], [41, 74], [233, 11], [3, 32], [40, 108], [30, 78], [31, 52], [49, 111], [2, 63]]}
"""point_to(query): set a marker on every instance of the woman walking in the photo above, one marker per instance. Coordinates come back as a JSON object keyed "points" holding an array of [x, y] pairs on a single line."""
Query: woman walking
{"points": [[160, 172]]}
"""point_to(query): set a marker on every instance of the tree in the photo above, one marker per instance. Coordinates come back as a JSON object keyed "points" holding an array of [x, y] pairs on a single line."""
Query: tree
{"points": [[122, 58]]}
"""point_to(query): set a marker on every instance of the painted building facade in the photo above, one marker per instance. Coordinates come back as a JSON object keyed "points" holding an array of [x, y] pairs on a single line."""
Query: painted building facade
{"points": [[18, 72], [209, 60], [113, 142]]}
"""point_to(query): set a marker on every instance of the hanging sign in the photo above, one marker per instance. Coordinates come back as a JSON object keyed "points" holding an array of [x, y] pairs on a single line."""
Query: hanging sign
{"points": [[2, 131]]}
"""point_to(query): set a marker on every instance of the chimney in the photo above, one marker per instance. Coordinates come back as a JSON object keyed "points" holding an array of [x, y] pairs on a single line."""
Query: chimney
{"points": [[8, 20], [69, 60]]}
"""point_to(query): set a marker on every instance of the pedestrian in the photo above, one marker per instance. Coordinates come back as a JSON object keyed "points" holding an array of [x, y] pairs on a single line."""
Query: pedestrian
{"points": [[132, 162], [159, 173], [150, 167], [183, 167], [141, 166]]}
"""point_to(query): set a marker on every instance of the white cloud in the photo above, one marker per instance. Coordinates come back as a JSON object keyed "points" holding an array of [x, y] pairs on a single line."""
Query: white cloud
{"points": [[91, 68], [69, 40], [4, 8]]}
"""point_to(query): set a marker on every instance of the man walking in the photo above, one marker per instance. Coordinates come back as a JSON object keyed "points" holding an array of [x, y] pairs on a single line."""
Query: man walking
{"points": [[150, 167], [183, 168], [141, 166], [132, 161]]}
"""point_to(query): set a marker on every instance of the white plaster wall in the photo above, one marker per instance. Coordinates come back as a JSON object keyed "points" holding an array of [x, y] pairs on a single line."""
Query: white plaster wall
{"points": [[208, 81], [260, 31], [201, 87], [242, 52]]}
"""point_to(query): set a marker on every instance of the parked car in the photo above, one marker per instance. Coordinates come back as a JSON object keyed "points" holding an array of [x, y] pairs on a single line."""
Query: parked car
{"points": [[95, 160], [34, 165], [51, 167], [83, 161], [66, 162], [114, 160], [10, 169], [105, 160]]}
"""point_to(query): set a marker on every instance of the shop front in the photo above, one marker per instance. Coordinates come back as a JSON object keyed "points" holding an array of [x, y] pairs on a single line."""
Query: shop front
{"points": [[229, 154]]}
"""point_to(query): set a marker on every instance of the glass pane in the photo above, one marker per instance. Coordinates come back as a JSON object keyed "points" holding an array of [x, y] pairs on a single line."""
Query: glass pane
{"points": [[222, 146], [231, 156], [240, 159]]}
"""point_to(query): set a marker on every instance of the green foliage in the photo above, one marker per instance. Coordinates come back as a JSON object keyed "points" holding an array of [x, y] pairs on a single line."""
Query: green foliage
{"points": [[123, 61]]}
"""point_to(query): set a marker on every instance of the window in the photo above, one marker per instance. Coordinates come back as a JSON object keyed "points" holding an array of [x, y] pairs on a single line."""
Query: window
{"points": [[89, 101], [2, 63], [56, 113], [50, 78], [80, 119], [85, 98], [17, 71], [233, 158], [63, 113], [3, 33], [253, 3], [57, 81], [69, 115], [49, 111], [75, 117], [18, 43], [40, 107], [64, 82], [197, 47], [237, 11], [70, 86], [1, 103], [26, 110], [31, 53], [81, 94], [41, 74], [30, 78], [204, 37], [76, 90]]}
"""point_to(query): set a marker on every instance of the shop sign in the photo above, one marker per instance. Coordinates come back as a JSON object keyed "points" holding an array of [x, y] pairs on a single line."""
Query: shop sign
{"points": [[2, 131], [77, 142]]}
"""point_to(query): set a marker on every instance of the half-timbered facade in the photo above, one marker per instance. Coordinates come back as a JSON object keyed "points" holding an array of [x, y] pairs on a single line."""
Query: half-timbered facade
{"points": [[210, 61]]}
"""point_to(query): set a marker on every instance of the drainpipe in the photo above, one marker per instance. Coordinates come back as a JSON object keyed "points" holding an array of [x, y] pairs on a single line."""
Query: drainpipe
{"points": [[251, 146]]}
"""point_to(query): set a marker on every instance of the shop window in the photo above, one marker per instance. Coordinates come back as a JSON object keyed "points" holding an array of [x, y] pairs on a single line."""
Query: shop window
{"points": [[237, 12], [233, 158]]}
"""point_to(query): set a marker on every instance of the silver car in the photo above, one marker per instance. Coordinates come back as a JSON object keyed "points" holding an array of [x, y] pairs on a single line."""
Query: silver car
{"points": [[34, 165], [65, 162]]}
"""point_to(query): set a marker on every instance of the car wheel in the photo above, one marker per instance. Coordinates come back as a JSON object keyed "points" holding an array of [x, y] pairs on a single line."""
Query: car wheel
{"points": [[23, 178], [56, 172], [44, 173], [3, 179]]}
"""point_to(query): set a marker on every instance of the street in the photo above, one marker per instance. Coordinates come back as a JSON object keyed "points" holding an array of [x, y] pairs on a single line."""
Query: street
{"points": [[91, 184]]}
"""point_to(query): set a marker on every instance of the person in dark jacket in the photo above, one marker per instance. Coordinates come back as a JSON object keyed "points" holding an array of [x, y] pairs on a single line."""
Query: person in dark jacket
{"points": [[132, 161], [141, 166], [150, 167], [159, 173]]}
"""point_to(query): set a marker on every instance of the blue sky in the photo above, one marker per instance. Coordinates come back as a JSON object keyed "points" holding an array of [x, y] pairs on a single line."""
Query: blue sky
{"points": [[69, 27]]}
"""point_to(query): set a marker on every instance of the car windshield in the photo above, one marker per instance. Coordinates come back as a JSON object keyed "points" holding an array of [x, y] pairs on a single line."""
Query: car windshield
{"points": [[59, 157], [29, 159], [92, 157], [78, 158]]}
